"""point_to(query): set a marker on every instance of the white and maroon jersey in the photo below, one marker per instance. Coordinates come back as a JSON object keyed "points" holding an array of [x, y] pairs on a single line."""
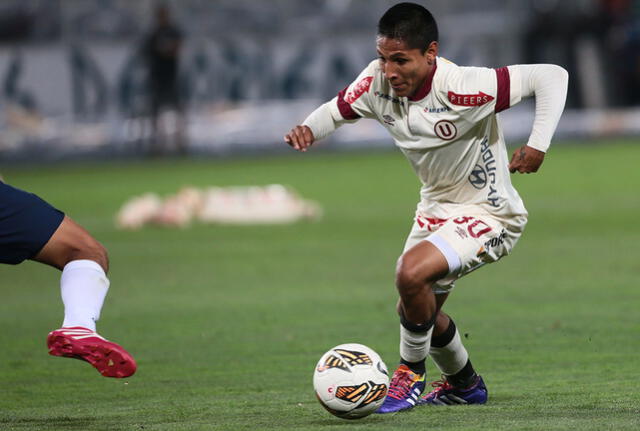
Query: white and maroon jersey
{"points": [[450, 134]]}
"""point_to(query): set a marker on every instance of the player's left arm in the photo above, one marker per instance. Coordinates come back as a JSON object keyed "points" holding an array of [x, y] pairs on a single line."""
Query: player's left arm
{"points": [[548, 83]]}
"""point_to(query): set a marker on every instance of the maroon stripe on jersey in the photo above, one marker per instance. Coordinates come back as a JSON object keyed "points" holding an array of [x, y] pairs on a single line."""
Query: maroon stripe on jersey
{"points": [[345, 109], [426, 88], [504, 89]]}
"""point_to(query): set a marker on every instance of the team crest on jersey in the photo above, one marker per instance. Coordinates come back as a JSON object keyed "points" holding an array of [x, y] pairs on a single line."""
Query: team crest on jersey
{"points": [[445, 130], [478, 99], [358, 90]]}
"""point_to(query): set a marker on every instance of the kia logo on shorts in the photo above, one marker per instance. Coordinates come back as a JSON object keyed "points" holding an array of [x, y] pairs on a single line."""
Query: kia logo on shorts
{"points": [[478, 177], [445, 130]]}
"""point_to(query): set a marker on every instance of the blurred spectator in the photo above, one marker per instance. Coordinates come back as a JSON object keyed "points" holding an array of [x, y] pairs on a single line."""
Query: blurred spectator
{"points": [[162, 54]]}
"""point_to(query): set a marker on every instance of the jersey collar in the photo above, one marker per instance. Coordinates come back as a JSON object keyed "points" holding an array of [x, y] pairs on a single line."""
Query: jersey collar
{"points": [[426, 88]]}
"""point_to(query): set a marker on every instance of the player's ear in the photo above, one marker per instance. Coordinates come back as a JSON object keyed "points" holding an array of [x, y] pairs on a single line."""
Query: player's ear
{"points": [[432, 52]]}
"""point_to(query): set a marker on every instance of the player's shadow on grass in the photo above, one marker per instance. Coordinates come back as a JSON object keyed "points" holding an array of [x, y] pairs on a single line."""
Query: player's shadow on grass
{"points": [[52, 423]]}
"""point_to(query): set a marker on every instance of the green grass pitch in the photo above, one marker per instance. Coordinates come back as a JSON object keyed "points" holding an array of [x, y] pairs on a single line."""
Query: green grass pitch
{"points": [[227, 323]]}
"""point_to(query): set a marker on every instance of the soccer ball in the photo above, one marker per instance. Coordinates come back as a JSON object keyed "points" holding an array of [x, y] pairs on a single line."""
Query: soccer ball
{"points": [[351, 381]]}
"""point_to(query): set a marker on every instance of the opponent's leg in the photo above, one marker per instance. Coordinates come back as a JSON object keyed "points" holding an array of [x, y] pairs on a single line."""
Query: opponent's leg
{"points": [[83, 286], [84, 264]]}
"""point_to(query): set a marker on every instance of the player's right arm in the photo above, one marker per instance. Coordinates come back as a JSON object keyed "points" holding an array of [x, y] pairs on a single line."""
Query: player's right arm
{"points": [[348, 106]]}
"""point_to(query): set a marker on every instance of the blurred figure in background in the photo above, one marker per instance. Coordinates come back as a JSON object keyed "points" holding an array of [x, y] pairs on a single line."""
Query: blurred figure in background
{"points": [[162, 55]]}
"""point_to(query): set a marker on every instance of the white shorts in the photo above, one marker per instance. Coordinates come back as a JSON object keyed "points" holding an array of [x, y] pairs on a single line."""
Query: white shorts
{"points": [[467, 242]]}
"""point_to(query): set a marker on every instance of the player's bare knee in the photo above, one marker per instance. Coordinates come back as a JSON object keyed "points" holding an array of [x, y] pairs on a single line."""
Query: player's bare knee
{"points": [[409, 277], [413, 275]]}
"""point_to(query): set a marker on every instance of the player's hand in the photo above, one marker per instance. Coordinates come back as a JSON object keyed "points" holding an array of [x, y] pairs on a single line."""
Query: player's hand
{"points": [[300, 138], [526, 160]]}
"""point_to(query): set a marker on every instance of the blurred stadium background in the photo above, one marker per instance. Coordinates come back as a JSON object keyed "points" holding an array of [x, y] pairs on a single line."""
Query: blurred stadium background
{"points": [[73, 75]]}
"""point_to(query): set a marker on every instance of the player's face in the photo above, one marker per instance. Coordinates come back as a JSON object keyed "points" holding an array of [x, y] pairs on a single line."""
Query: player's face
{"points": [[406, 69]]}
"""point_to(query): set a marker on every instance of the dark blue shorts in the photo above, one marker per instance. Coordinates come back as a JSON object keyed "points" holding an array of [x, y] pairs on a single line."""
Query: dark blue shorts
{"points": [[26, 224]]}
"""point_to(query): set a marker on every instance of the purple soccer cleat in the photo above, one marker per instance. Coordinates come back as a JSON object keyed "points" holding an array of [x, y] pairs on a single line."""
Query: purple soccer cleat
{"points": [[404, 390], [446, 395]]}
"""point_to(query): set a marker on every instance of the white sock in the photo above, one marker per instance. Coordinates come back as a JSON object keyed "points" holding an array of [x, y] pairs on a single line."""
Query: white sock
{"points": [[451, 358], [83, 285], [414, 346]]}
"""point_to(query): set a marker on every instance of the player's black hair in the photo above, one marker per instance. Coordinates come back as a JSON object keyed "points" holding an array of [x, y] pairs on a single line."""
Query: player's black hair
{"points": [[410, 23]]}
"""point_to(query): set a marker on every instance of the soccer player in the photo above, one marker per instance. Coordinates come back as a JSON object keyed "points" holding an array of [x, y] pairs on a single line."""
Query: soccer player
{"points": [[162, 49], [443, 118], [30, 228]]}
